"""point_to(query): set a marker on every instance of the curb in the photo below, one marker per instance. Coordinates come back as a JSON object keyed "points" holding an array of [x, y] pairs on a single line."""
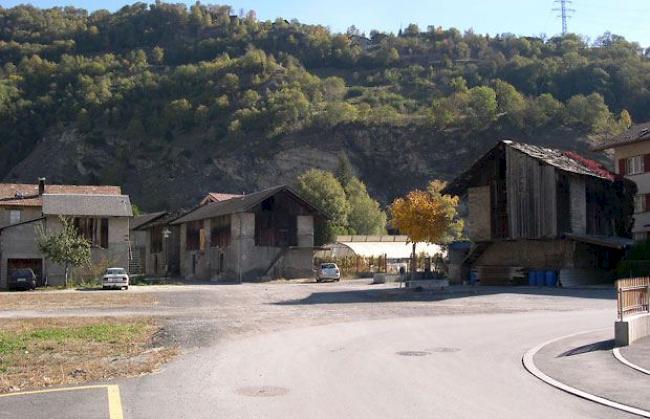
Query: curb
{"points": [[619, 356], [530, 366]]}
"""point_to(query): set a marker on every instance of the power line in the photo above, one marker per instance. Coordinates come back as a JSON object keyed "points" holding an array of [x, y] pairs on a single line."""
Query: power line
{"points": [[565, 13]]}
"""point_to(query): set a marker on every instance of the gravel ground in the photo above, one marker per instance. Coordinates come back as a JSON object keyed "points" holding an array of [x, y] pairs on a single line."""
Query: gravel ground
{"points": [[203, 314]]}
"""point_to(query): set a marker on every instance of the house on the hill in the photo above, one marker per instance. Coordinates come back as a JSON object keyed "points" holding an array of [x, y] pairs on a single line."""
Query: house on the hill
{"points": [[264, 234], [538, 209], [101, 214], [632, 160]]}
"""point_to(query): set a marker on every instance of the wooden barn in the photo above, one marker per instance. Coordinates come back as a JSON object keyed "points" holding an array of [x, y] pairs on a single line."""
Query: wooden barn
{"points": [[538, 209]]}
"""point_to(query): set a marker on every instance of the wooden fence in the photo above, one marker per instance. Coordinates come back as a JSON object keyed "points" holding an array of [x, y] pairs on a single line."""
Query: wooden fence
{"points": [[633, 296]]}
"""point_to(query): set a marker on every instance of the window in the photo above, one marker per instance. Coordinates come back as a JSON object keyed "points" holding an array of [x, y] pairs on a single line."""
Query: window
{"points": [[639, 203], [640, 235], [220, 231], [95, 230], [634, 165], [14, 216]]}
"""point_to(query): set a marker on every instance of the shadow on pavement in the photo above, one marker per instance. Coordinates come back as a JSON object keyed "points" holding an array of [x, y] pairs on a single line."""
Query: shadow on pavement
{"points": [[605, 345], [405, 294]]}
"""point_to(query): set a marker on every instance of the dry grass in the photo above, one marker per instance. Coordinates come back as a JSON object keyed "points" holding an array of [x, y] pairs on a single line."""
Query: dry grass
{"points": [[81, 299], [43, 352]]}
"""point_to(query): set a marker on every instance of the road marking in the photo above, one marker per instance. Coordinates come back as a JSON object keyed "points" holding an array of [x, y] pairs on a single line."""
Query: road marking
{"points": [[114, 403], [113, 393], [530, 366], [619, 356]]}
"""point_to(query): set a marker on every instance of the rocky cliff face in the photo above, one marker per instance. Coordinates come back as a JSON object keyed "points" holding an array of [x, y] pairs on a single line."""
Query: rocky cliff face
{"points": [[159, 174]]}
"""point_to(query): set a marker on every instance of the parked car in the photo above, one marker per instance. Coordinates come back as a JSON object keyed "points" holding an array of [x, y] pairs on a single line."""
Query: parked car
{"points": [[328, 272], [22, 279], [115, 278]]}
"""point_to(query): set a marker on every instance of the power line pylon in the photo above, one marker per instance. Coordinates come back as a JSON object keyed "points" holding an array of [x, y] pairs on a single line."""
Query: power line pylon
{"points": [[565, 13]]}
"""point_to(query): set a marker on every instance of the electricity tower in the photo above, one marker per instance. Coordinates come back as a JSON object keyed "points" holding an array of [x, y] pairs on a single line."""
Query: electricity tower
{"points": [[565, 12]]}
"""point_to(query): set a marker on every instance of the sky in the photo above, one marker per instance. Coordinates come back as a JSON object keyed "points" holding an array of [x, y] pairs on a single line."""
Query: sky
{"points": [[521, 17]]}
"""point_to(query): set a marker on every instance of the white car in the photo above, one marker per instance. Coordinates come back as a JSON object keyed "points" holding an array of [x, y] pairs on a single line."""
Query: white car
{"points": [[328, 272], [115, 278]]}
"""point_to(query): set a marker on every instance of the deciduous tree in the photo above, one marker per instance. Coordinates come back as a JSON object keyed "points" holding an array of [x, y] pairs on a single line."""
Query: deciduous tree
{"points": [[426, 216], [65, 247]]}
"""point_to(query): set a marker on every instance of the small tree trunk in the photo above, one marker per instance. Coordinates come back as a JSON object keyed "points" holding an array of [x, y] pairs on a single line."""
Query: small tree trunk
{"points": [[413, 263], [65, 275]]}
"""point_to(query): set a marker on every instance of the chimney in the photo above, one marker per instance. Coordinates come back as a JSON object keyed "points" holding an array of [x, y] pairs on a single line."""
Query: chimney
{"points": [[41, 186]]}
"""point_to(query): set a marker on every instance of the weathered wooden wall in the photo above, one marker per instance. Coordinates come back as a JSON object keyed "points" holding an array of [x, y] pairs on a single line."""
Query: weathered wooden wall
{"points": [[532, 202], [478, 219], [578, 205]]}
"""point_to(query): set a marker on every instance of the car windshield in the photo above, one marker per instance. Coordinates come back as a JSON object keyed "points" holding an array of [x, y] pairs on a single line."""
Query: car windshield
{"points": [[115, 271], [22, 273], [327, 266]]}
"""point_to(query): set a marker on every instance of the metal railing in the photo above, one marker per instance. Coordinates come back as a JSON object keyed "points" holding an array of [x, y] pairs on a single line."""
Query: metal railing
{"points": [[633, 296]]}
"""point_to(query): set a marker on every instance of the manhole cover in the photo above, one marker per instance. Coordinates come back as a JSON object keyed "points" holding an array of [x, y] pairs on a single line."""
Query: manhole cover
{"points": [[413, 353], [444, 349], [262, 391]]}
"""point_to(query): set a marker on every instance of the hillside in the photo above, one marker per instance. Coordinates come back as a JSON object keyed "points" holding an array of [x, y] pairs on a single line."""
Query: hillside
{"points": [[171, 102]]}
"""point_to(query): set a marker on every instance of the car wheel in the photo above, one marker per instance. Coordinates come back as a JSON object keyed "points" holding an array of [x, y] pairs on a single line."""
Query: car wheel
{"points": [[126, 288]]}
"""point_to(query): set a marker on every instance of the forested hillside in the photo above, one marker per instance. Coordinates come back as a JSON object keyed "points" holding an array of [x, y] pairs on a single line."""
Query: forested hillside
{"points": [[171, 102]]}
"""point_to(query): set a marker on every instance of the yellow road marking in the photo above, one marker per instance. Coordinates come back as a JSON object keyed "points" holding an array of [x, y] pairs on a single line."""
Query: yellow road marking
{"points": [[53, 390], [114, 403], [113, 392]]}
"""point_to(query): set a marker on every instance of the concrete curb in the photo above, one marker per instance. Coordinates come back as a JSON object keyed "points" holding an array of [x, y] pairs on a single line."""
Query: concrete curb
{"points": [[619, 356], [530, 366]]}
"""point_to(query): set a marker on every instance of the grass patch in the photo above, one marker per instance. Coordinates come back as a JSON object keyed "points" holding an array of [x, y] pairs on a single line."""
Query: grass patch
{"points": [[43, 352]]}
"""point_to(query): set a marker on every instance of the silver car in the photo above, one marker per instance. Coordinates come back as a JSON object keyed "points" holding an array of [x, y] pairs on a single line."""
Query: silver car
{"points": [[328, 272], [115, 278]]}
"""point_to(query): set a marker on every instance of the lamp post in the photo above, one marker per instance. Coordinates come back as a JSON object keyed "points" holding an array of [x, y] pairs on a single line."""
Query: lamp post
{"points": [[166, 234]]}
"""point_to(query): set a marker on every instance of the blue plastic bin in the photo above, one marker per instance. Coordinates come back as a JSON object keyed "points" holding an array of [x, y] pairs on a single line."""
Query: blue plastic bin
{"points": [[550, 279], [539, 278], [531, 278]]}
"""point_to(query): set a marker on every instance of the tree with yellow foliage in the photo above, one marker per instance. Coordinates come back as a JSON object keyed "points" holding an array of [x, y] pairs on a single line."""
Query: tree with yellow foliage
{"points": [[427, 216]]}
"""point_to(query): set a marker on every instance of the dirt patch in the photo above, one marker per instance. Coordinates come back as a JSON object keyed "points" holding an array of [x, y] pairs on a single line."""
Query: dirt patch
{"points": [[43, 352], [67, 299]]}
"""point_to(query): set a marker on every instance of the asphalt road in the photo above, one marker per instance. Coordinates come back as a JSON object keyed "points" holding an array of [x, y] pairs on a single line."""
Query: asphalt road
{"points": [[452, 367], [411, 362]]}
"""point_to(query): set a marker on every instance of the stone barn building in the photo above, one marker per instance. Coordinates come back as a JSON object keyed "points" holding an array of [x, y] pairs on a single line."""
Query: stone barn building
{"points": [[267, 234], [533, 208]]}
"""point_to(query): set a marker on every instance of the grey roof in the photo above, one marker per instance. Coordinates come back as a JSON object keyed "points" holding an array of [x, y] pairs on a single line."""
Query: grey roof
{"points": [[140, 220], [562, 160], [238, 204], [165, 219], [87, 205], [559, 159], [635, 134]]}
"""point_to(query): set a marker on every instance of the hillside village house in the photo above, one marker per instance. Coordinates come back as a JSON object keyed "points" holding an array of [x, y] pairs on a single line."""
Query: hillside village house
{"points": [[533, 208], [632, 160], [264, 234], [101, 214]]}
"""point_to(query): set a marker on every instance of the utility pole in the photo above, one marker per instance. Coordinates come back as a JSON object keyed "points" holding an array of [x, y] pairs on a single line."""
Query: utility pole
{"points": [[565, 13]]}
